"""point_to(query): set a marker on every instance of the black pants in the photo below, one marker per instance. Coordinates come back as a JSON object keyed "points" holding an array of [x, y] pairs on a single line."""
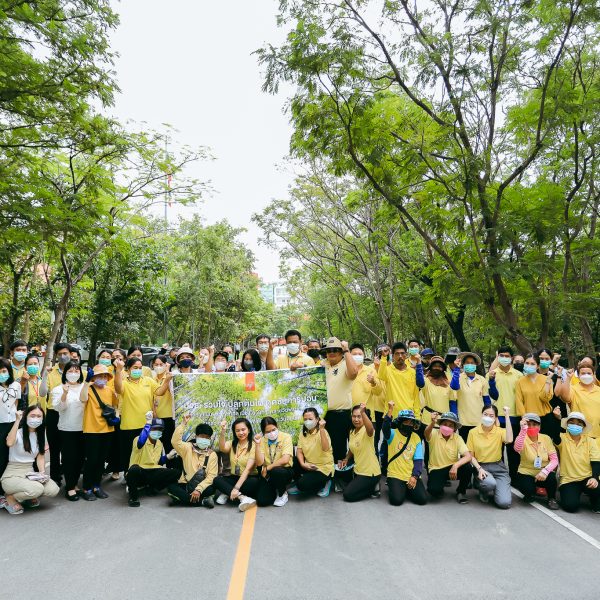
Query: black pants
{"points": [[526, 484], [226, 483], [53, 439], [73, 455], [338, 427], [378, 426], [360, 488], [311, 482], [126, 437], [158, 479], [114, 451], [398, 491], [168, 433], [464, 431], [4, 431], [570, 495], [96, 450], [269, 489], [437, 478], [179, 491]]}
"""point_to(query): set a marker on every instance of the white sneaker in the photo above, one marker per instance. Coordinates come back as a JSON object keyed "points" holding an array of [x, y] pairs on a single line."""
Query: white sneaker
{"points": [[222, 499], [246, 503], [281, 500]]}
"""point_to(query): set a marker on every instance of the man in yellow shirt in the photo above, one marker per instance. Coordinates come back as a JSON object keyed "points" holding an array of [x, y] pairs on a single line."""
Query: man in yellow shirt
{"points": [[18, 354], [314, 351], [294, 358]]}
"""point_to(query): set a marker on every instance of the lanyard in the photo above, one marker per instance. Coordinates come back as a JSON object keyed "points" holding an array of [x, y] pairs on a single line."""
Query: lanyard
{"points": [[272, 455]]}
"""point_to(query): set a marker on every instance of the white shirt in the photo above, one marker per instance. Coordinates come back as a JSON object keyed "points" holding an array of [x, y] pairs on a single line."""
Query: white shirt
{"points": [[70, 413], [17, 453], [9, 397]]}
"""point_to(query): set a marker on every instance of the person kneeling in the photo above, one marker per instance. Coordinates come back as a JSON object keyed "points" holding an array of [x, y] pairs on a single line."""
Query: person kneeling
{"points": [[274, 459], [405, 451], [367, 471], [200, 467], [147, 460], [445, 446]]}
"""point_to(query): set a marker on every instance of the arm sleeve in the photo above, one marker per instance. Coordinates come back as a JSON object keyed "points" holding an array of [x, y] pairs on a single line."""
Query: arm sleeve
{"points": [[487, 401], [163, 458], [494, 394], [454, 406], [420, 376], [520, 441], [551, 466], [143, 436], [386, 428], [595, 469], [418, 460], [455, 382]]}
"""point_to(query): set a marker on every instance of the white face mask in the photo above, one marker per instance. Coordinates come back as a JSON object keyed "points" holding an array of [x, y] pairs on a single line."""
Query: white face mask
{"points": [[487, 421], [272, 435], [34, 422], [310, 424], [293, 349], [263, 347], [220, 365], [359, 359], [159, 369], [586, 378], [204, 359], [72, 377]]}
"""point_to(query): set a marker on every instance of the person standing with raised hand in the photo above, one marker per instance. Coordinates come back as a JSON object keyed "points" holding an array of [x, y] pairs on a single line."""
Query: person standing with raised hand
{"points": [[473, 394], [294, 358], [10, 394], [534, 393], [241, 484]]}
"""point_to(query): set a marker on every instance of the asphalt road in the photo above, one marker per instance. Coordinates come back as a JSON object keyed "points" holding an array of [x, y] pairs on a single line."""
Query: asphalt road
{"points": [[311, 548]]}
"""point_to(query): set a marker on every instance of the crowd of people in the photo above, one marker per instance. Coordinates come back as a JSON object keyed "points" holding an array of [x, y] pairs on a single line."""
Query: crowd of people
{"points": [[407, 424]]}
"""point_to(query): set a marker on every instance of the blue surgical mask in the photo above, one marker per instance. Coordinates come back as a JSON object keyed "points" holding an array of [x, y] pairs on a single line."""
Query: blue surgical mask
{"points": [[504, 360], [105, 362], [470, 369], [202, 443], [155, 434], [545, 364], [574, 429], [3, 377], [413, 351], [231, 357], [529, 369], [135, 373], [33, 369], [20, 356]]}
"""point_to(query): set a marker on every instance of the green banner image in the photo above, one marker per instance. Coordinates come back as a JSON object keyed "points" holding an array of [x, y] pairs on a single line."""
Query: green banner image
{"points": [[283, 395]]}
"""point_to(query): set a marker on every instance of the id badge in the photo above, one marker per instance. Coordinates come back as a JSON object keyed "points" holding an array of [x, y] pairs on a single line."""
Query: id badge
{"points": [[537, 463], [237, 470]]}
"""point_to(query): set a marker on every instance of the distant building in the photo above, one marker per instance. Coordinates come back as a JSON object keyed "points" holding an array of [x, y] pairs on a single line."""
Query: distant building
{"points": [[275, 293]]}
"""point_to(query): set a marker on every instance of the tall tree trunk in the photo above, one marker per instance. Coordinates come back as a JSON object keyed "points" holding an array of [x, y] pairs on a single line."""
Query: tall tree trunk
{"points": [[588, 338], [456, 324], [60, 314]]}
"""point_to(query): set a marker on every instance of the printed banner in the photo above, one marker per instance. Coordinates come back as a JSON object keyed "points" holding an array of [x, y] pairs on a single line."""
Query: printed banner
{"points": [[283, 395]]}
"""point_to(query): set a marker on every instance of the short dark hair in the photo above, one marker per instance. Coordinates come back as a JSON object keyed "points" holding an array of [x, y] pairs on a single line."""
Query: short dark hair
{"points": [[61, 346], [415, 340], [221, 353], [535, 357], [292, 332], [359, 346], [267, 421], [131, 361], [546, 350], [18, 343], [204, 429], [68, 366], [5, 364], [263, 336], [398, 346], [505, 350]]}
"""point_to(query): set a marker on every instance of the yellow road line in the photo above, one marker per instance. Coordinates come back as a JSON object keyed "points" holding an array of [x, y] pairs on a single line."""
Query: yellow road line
{"points": [[237, 582]]}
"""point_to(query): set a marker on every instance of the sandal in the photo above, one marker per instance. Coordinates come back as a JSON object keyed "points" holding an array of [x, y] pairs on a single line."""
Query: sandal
{"points": [[14, 509]]}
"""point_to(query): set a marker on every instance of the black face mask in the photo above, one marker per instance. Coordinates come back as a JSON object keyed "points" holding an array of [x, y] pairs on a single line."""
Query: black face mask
{"points": [[314, 353], [405, 430], [186, 362], [518, 366], [436, 372]]}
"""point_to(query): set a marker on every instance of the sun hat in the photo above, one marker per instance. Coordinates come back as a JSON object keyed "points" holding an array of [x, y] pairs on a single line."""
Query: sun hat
{"points": [[463, 355], [450, 416], [575, 415], [532, 417], [101, 370], [185, 350], [333, 344]]}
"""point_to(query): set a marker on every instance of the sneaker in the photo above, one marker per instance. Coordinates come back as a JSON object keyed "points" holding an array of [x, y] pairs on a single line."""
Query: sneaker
{"points": [[100, 493], [483, 497], [337, 488], [461, 498], [281, 500], [324, 491], [222, 499], [133, 502], [293, 490], [208, 502], [553, 504], [246, 503], [88, 495]]}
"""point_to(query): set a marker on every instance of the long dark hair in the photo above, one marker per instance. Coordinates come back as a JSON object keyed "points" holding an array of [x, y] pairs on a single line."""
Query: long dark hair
{"points": [[255, 356], [5, 363], [305, 431], [40, 431], [235, 440]]}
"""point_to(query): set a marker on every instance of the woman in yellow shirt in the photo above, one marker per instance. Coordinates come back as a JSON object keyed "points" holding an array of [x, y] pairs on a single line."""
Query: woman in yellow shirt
{"points": [[34, 388], [164, 407], [274, 455], [242, 484], [315, 456], [583, 397], [534, 392], [367, 471]]}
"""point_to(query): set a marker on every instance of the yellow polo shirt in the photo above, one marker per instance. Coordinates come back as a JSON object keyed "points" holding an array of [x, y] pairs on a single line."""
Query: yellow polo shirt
{"points": [[54, 380], [136, 400], [543, 448], [273, 452], [436, 397], [239, 458], [445, 452], [532, 396], [363, 450], [402, 467], [486, 446], [576, 459], [284, 361], [93, 421], [34, 384], [310, 445], [400, 387], [470, 398], [339, 387], [148, 455], [506, 383], [164, 409], [588, 403]]}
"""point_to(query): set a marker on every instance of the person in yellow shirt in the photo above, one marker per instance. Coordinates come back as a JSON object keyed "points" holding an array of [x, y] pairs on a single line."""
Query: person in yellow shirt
{"points": [[274, 451], [579, 463], [34, 386], [473, 393], [241, 484], [136, 352], [486, 444], [314, 351], [147, 462], [405, 457], [534, 393], [294, 358], [164, 406], [439, 393], [105, 359], [18, 354], [367, 471], [200, 467], [538, 461], [583, 397], [449, 457], [137, 398], [314, 455], [96, 431]]}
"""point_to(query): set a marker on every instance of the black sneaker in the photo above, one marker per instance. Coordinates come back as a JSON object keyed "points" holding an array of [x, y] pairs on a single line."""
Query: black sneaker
{"points": [[88, 495], [100, 493], [133, 502], [208, 502]]}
